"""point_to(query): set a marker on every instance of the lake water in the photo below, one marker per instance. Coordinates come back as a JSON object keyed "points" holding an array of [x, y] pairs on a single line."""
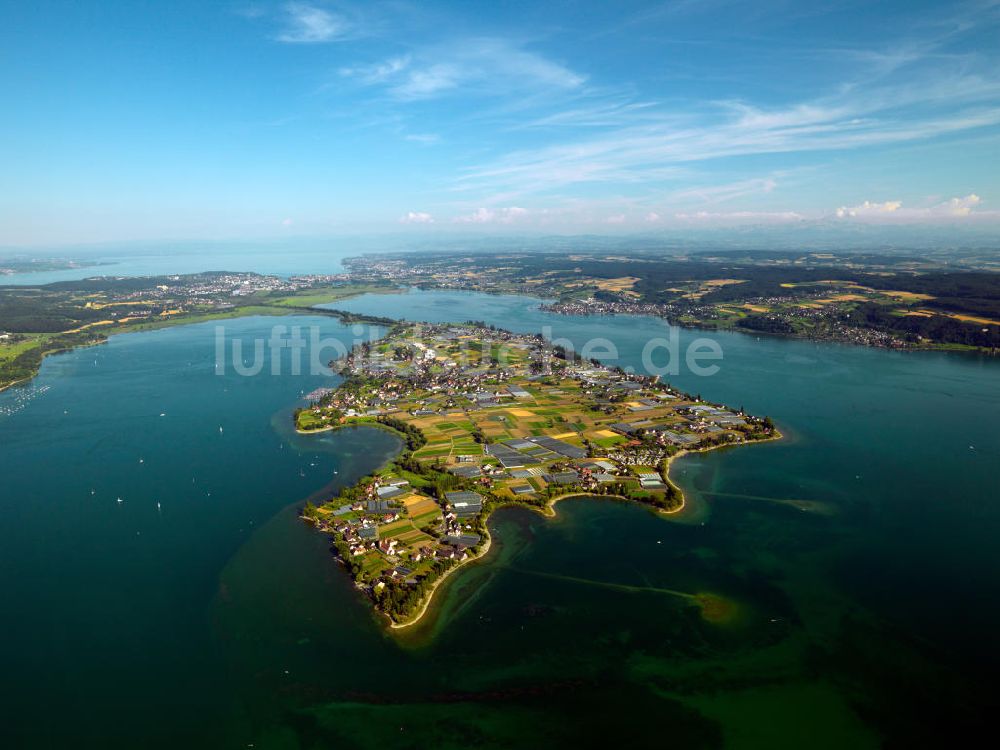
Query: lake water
{"points": [[280, 258], [848, 575]]}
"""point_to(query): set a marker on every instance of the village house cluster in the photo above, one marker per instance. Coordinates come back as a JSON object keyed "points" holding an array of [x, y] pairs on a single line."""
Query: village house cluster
{"points": [[810, 313], [490, 418]]}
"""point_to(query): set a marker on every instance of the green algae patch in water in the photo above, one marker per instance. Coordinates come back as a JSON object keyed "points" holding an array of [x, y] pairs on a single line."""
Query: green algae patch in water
{"points": [[717, 609]]}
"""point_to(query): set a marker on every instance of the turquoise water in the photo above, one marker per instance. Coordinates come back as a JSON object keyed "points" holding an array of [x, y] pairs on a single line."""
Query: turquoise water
{"points": [[850, 571]]}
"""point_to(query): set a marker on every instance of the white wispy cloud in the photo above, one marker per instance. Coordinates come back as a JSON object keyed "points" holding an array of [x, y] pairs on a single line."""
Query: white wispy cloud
{"points": [[426, 139], [309, 24], [906, 92], [725, 192], [416, 217], [490, 65], [376, 73], [647, 153]]}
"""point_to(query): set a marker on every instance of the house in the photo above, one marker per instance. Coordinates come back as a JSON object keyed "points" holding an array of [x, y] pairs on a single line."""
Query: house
{"points": [[388, 546]]}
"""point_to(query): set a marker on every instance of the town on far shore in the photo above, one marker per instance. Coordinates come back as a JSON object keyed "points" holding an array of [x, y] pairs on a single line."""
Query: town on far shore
{"points": [[491, 418]]}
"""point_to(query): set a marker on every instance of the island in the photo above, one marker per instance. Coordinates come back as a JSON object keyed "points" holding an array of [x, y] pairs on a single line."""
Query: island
{"points": [[490, 418]]}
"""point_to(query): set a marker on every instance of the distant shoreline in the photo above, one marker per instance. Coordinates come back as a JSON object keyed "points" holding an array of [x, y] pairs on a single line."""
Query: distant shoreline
{"points": [[204, 317]]}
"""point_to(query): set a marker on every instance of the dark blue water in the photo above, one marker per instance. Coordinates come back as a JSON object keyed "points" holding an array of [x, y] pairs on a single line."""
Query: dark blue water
{"points": [[856, 562], [106, 604]]}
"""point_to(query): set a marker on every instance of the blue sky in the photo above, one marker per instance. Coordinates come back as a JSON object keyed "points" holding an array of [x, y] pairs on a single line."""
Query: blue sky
{"points": [[139, 120]]}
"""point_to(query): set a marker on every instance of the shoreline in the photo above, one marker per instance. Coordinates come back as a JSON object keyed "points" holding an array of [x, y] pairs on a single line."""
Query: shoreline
{"points": [[281, 310], [333, 427], [249, 311], [792, 336], [425, 605], [549, 511], [60, 350], [698, 326]]}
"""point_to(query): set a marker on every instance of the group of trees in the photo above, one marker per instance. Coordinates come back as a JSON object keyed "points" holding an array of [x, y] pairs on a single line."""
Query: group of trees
{"points": [[413, 435], [350, 317], [399, 599], [765, 324], [938, 328], [25, 365]]}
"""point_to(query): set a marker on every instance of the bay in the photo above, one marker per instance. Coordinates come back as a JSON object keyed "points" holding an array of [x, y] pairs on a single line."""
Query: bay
{"points": [[812, 595]]}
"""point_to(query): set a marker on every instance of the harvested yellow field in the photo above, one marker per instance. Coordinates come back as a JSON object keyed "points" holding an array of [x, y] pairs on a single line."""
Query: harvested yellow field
{"points": [[974, 319], [907, 296], [704, 287], [91, 325], [842, 298], [102, 305], [606, 433], [826, 282], [756, 308], [564, 435], [521, 412], [621, 284], [417, 505]]}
